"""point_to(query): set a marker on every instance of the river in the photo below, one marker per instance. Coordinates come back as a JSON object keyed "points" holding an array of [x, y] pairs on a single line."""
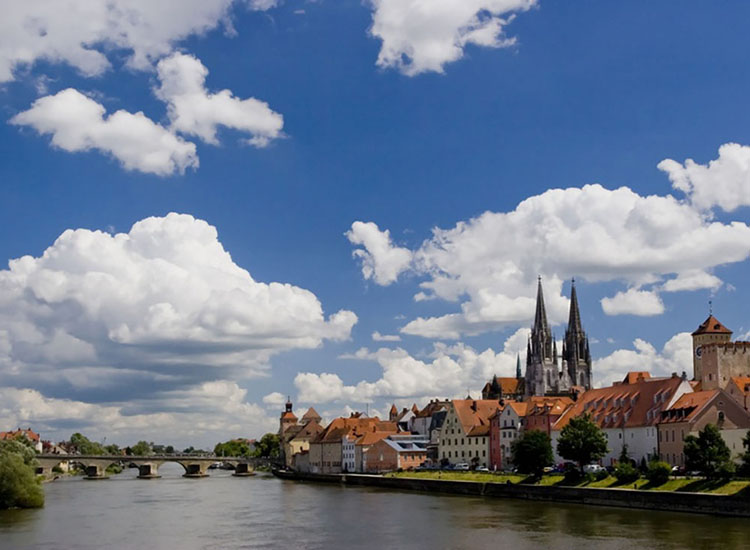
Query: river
{"points": [[223, 512]]}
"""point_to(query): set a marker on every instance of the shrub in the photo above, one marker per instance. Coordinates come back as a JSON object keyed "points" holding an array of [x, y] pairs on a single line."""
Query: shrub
{"points": [[658, 472], [726, 470], [19, 487], [601, 474], [572, 473], [626, 472], [532, 452]]}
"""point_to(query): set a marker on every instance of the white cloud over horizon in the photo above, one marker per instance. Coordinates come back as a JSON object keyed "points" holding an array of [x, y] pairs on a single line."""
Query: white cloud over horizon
{"points": [[489, 264], [675, 356], [160, 317], [421, 36], [450, 372], [204, 415]]}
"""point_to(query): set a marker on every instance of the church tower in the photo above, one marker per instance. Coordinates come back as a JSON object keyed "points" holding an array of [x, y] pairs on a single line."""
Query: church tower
{"points": [[542, 376], [576, 354], [710, 331]]}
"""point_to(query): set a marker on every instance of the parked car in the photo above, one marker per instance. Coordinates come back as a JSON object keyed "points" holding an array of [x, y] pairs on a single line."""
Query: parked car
{"points": [[461, 466], [592, 468], [482, 469]]}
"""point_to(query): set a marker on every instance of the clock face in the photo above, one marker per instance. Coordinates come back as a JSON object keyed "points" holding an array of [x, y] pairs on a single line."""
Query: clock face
{"points": [[698, 351]]}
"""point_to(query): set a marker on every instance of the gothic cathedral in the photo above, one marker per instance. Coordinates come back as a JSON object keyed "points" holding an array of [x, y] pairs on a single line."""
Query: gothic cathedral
{"points": [[543, 376]]}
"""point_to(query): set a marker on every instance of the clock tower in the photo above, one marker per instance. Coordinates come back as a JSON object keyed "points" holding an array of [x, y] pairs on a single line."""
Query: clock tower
{"points": [[711, 331]]}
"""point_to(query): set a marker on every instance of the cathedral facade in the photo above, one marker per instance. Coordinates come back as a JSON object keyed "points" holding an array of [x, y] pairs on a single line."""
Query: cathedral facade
{"points": [[543, 373]]}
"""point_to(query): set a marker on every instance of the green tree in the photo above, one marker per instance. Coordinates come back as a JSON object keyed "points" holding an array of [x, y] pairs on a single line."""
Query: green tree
{"points": [[582, 441], [86, 447], [708, 453], [233, 447], [532, 452], [658, 472], [268, 446], [142, 448], [169, 450], [112, 449], [19, 486], [625, 472], [625, 455], [21, 447]]}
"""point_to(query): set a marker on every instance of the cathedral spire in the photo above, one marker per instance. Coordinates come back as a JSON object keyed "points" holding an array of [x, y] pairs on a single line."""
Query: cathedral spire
{"points": [[540, 317], [574, 319], [518, 365]]}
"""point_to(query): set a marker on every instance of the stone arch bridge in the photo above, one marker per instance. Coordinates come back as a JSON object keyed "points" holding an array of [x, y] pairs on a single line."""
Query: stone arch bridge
{"points": [[148, 466]]}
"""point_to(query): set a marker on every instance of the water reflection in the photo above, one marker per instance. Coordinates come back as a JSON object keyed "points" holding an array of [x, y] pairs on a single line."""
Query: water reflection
{"points": [[263, 512]]}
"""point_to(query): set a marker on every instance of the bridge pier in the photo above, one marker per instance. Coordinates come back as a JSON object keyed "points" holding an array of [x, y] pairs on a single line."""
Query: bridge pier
{"points": [[149, 470], [195, 469], [96, 470], [243, 469], [45, 465]]}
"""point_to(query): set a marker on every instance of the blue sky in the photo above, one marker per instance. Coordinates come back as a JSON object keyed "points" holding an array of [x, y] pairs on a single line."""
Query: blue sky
{"points": [[407, 117]]}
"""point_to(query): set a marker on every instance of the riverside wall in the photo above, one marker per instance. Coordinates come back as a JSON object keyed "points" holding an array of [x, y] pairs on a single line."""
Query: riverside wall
{"points": [[700, 503]]}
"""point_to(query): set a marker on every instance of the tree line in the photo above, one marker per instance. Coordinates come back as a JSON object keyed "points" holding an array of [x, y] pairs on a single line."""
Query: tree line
{"points": [[582, 442]]}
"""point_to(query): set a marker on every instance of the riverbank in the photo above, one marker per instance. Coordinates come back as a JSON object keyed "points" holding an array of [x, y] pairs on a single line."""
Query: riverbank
{"points": [[675, 484], [737, 505]]}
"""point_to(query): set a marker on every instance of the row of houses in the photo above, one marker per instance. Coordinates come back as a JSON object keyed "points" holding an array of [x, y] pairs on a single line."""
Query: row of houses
{"points": [[647, 416]]}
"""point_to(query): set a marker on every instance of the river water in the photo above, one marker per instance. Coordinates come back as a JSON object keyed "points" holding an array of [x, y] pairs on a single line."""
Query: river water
{"points": [[223, 512]]}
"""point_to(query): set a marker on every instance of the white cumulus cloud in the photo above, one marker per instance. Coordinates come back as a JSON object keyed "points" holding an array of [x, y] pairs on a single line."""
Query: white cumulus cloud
{"points": [[424, 35], [381, 260], [723, 182], [643, 303], [675, 357], [194, 111], [82, 33], [450, 371], [159, 307], [202, 416], [490, 263], [78, 123], [377, 337]]}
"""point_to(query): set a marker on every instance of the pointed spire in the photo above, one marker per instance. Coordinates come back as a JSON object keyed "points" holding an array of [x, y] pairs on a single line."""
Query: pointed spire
{"points": [[540, 317], [554, 350], [528, 351], [518, 365], [574, 319]]}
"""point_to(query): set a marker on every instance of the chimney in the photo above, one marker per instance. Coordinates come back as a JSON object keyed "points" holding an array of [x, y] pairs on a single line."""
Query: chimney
{"points": [[684, 375]]}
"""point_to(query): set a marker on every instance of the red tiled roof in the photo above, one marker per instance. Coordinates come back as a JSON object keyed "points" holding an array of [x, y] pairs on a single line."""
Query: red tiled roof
{"points": [[633, 377], [354, 426], [29, 433], [311, 414], [687, 406], [431, 408], [711, 326], [474, 412], [624, 405], [742, 383]]}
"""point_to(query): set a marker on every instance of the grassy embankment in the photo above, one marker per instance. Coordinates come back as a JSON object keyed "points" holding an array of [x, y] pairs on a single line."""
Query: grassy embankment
{"points": [[696, 485]]}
